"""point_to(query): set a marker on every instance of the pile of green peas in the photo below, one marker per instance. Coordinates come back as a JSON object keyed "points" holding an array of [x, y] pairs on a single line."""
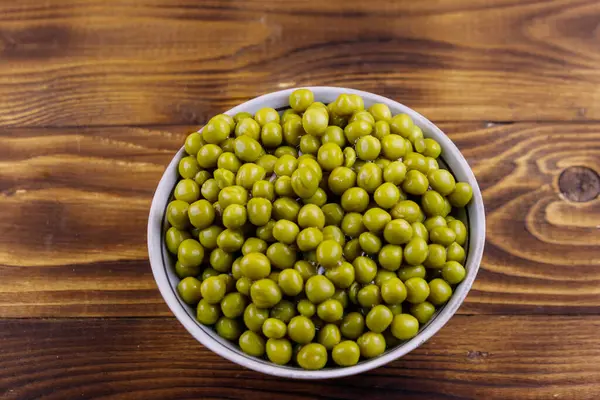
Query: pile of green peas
{"points": [[320, 235]]}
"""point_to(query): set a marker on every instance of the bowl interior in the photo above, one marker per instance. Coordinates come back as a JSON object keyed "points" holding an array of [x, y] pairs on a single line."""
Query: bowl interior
{"points": [[163, 264]]}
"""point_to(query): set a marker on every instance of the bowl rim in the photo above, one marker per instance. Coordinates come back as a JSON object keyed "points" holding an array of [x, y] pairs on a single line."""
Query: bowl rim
{"points": [[474, 251]]}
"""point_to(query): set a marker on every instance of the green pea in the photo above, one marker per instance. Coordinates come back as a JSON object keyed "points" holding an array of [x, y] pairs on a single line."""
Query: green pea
{"points": [[301, 329], [460, 230], [407, 210], [330, 310], [201, 177], [355, 199], [228, 328], [417, 290], [313, 356], [442, 235], [369, 177], [415, 183], [304, 182], [255, 266], [356, 129], [371, 344], [284, 311], [329, 253], [315, 121], [208, 272], [433, 203], [369, 296], [365, 269], [413, 271], [319, 198], [398, 231], [349, 157], [404, 326], [387, 195], [193, 143], [208, 155], [252, 344], [206, 313], [455, 252], [189, 290], [369, 242], [461, 195], [333, 213], [393, 291], [436, 257], [390, 257], [393, 147], [368, 148], [305, 269], [255, 317], [416, 251], [352, 250], [401, 124], [290, 281], [265, 293], [329, 336], [380, 112], [379, 318], [177, 214], [230, 240], [233, 305], [440, 292], [441, 181], [309, 238], [281, 255], [342, 276], [242, 285], [419, 230], [190, 253], [318, 289], [382, 129], [279, 351], [453, 272], [422, 311]]}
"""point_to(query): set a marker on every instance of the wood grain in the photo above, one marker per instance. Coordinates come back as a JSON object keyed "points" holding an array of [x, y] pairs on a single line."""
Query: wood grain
{"points": [[538, 357], [75, 203], [91, 62]]}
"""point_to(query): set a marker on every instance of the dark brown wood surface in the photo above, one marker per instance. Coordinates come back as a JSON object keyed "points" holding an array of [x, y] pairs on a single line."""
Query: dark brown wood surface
{"points": [[96, 97]]}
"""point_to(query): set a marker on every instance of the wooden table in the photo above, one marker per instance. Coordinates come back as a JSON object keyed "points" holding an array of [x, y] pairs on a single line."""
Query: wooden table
{"points": [[96, 96]]}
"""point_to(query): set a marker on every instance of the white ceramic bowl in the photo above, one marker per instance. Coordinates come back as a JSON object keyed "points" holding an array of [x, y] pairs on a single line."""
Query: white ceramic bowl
{"points": [[163, 268]]}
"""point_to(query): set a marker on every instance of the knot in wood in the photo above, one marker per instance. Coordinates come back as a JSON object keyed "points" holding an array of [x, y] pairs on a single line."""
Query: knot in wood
{"points": [[579, 184]]}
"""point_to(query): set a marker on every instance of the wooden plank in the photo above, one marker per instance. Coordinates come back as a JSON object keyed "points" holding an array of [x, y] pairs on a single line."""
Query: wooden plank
{"points": [[90, 62], [539, 357], [74, 204]]}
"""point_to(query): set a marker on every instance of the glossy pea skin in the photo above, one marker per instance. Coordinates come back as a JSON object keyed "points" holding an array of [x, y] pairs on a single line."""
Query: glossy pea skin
{"points": [[415, 251], [422, 311], [259, 211], [285, 231], [254, 245], [417, 290], [440, 292], [284, 311], [357, 129], [379, 318], [309, 238], [461, 195], [436, 257], [265, 293], [398, 231], [341, 179], [233, 305], [315, 121], [329, 253], [312, 356], [304, 182], [404, 326], [407, 210], [415, 183], [330, 156], [432, 203], [279, 351], [206, 313], [333, 213], [334, 134], [301, 329], [442, 235], [318, 289], [393, 291], [367, 148], [221, 260], [390, 257], [255, 266], [455, 252], [355, 199], [371, 344], [252, 344], [419, 230], [188, 167], [369, 296], [386, 195], [393, 147], [352, 325], [330, 310], [365, 269], [453, 272], [441, 181], [300, 99], [274, 328], [401, 124], [305, 269], [369, 242], [229, 329], [174, 237], [254, 317], [369, 177], [342, 276], [413, 271], [230, 240], [291, 282], [193, 143], [189, 290], [460, 230], [177, 214], [190, 253], [201, 214]]}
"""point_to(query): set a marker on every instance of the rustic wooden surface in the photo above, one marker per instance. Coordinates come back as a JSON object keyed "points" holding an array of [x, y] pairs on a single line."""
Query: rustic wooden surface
{"points": [[96, 96]]}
